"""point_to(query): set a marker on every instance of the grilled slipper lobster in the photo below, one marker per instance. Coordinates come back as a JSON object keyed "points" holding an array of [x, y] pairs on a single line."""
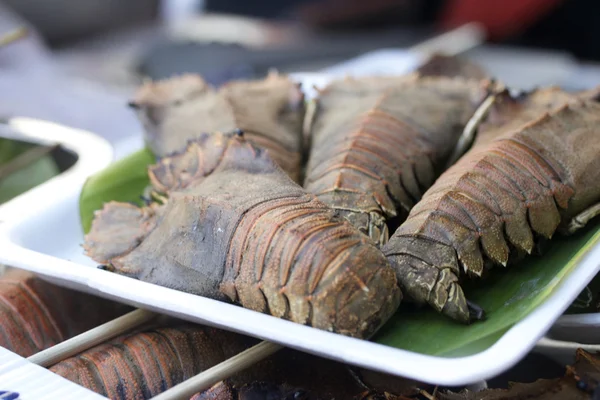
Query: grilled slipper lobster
{"points": [[235, 227], [378, 143], [533, 170], [270, 111]]}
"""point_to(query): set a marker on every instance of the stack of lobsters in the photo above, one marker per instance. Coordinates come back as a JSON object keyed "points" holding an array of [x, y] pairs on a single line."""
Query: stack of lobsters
{"points": [[329, 212]]}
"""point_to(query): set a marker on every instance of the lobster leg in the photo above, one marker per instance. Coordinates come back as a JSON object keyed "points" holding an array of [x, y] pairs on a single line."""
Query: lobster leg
{"points": [[581, 219], [475, 312]]}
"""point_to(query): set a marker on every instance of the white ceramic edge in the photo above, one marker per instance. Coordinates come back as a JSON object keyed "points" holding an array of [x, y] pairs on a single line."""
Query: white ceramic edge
{"points": [[506, 352], [94, 153], [31, 381]]}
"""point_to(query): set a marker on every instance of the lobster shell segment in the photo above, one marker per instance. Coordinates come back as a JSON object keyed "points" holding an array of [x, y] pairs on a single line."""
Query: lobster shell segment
{"points": [[144, 364], [269, 111], [518, 183], [379, 143], [36, 315], [235, 227]]}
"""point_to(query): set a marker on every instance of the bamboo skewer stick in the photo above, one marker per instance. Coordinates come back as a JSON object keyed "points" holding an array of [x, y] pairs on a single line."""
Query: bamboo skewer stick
{"points": [[452, 43], [91, 338], [25, 159], [221, 371], [13, 36]]}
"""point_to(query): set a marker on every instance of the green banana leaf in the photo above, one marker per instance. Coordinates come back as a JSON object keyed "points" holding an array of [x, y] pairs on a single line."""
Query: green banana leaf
{"points": [[25, 178], [507, 295], [124, 180]]}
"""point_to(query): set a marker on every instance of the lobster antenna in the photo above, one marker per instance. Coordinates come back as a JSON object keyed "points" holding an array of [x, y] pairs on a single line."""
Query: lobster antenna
{"points": [[468, 134]]}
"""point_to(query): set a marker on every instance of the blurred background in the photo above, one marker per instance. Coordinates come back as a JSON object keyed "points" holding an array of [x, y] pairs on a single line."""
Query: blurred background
{"points": [[83, 58]]}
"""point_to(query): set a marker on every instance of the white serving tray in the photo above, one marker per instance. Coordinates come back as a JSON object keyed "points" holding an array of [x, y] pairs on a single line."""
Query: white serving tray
{"points": [[30, 381], [41, 232]]}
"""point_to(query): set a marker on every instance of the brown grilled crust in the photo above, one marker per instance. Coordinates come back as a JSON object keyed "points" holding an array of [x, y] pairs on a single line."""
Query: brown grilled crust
{"points": [[35, 315], [379, 159], [274, 249], [269, 111], [142, 365], [291, 257], [497, 199]]}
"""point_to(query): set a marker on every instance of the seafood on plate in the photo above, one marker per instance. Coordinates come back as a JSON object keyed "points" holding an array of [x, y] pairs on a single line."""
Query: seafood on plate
{"points": [[269, 111], [267, 390], [532, 171], [235, 227], [377, 143]]}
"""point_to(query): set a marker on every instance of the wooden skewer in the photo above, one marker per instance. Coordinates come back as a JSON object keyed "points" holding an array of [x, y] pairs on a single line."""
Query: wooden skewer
{"points": [[221, 371], [25, 159], [13, 36], [91, 338], [454, 42]]}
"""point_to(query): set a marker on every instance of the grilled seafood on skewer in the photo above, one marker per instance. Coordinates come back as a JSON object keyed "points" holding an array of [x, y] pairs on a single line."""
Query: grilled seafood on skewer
{"points": [[378, 143], [144, 364], [235, 227], [270, 111], [533, 170], [36, 315]]}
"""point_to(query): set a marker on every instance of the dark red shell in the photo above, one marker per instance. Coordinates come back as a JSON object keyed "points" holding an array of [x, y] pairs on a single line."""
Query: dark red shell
{"points": [[143, 365], [36, 315]]}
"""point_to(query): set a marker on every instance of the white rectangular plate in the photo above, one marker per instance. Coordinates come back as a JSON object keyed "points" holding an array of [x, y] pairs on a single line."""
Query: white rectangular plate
{"points": [[41, 232]]}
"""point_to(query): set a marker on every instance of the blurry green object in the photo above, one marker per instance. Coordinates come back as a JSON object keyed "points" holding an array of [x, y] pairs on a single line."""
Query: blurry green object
{"points": [[124, 180], [14, 182], [507, 296]]}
